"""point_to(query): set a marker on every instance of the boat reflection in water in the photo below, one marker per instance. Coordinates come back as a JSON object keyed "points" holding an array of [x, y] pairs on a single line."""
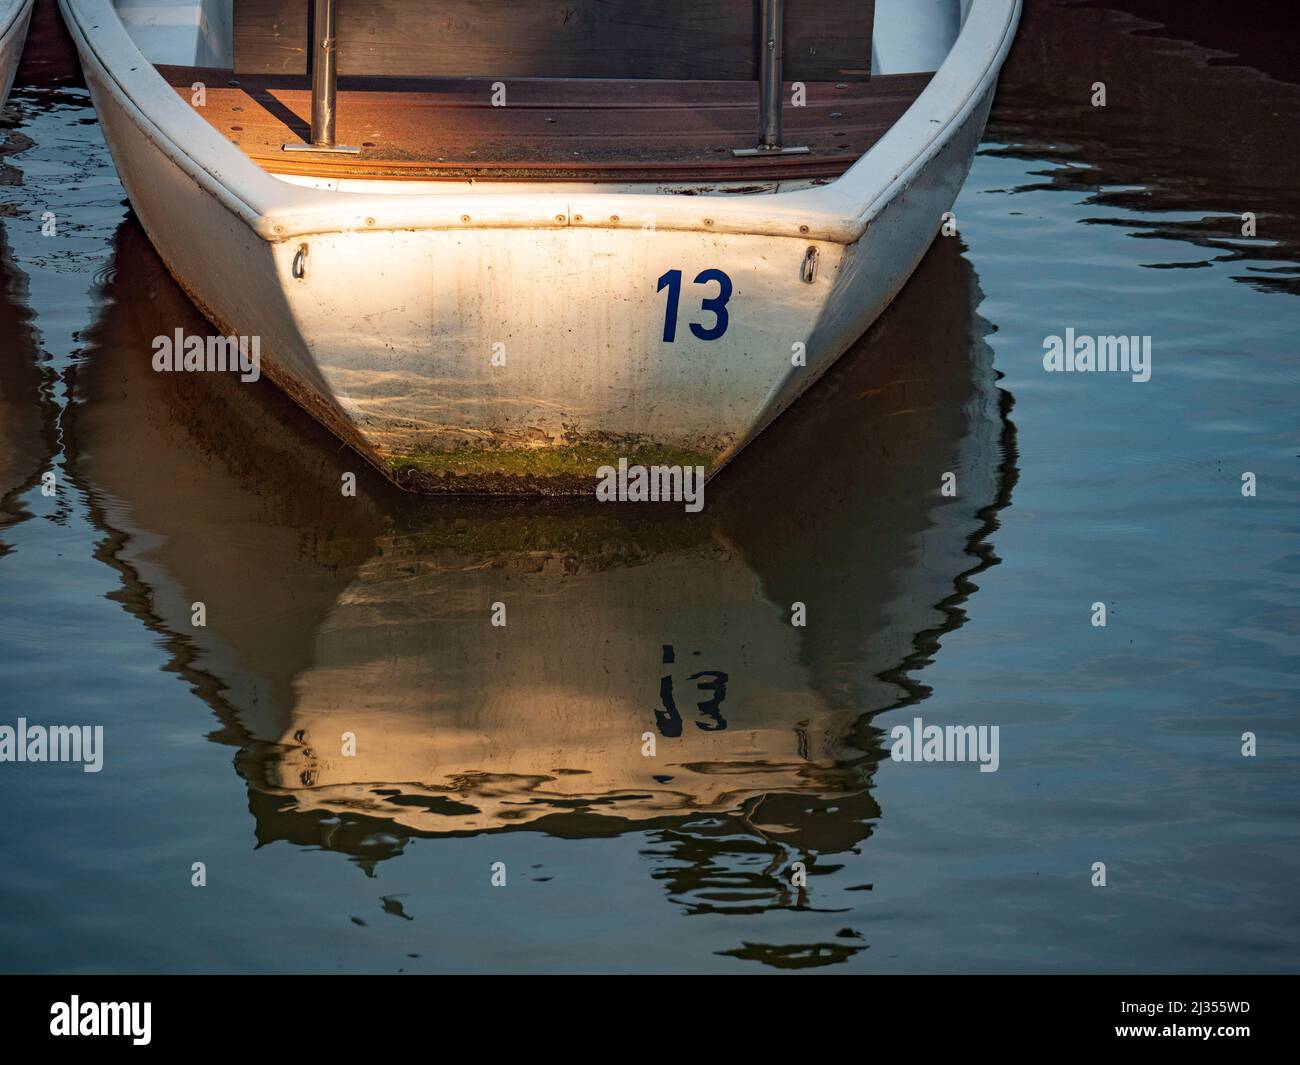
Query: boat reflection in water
{"points": [[329, 615], [26, 433]]}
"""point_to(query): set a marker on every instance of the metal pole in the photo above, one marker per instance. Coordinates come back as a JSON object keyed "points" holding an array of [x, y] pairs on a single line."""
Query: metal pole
{"points": [[324, 74], [770, 83], [324, 82], [769, 74]]}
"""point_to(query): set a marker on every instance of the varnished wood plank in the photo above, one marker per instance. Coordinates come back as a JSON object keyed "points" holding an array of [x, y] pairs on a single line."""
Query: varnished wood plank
{"points": [[592, 129], [672, 39]]}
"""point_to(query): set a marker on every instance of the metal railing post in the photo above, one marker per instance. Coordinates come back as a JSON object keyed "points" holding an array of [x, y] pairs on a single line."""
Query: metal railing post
{"points": [[770, 83], [324, 75], [769, 74], [324, 82]]}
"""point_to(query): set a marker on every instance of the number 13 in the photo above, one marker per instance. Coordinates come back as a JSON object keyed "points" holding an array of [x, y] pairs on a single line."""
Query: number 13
{"points": [[715, 305]]}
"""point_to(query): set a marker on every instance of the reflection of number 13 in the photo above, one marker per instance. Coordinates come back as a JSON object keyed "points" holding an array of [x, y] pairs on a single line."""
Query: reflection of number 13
{"points": [[669, 720]]}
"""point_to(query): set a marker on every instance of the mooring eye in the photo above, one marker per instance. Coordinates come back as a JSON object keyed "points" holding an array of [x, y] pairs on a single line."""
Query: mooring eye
{"points": [[808, 269]]}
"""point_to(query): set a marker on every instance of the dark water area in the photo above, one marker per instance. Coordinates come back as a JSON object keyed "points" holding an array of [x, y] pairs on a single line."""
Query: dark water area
{"points": [[523, 745]]}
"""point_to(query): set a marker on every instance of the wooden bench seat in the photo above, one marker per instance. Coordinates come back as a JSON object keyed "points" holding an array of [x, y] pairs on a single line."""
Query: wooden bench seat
{"points": [[586, 129]]}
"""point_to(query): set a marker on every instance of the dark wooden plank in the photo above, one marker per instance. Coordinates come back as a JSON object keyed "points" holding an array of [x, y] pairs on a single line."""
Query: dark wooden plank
{"points": [[671, 39], [595, 130]]}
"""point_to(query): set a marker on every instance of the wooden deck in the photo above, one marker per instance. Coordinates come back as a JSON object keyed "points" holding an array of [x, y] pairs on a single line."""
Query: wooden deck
{"points": [[585, 129]]}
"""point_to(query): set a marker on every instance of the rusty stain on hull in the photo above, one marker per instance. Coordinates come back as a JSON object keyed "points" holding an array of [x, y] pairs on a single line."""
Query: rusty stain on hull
{"points": [[567, 468]]}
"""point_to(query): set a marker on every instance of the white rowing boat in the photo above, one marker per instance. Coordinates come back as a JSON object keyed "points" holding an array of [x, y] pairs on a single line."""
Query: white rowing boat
{"points": [[514, 280], [14, 18]]}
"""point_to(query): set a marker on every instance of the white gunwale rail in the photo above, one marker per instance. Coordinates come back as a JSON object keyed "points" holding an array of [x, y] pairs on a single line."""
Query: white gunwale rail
{"points": [[15, 15], [11, 13], [839, 211]]}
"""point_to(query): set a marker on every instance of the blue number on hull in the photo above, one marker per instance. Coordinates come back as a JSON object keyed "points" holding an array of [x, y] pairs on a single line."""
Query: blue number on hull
{"points": [[715, 305], [673, 281]]}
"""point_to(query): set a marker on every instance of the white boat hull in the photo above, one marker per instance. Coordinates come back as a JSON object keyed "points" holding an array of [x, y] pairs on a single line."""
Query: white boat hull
{"points": [[471, 342]]}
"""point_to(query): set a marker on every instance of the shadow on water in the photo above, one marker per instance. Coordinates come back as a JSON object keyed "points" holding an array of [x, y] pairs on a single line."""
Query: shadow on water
{"points": [[1201, 123], [28, 438], [26, 425], [29, 413], [329, 615]]}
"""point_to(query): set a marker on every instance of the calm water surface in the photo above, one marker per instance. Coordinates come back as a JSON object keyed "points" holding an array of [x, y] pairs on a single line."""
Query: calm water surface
{"points": [[522, 745]]}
